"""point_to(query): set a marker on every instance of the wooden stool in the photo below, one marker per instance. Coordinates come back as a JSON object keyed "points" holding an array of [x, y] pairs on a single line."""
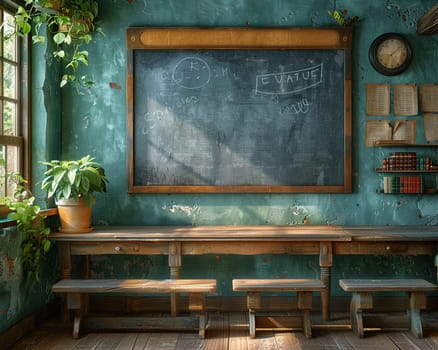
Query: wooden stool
{"points": [[77, 291], [362, 299], [303, 287]]}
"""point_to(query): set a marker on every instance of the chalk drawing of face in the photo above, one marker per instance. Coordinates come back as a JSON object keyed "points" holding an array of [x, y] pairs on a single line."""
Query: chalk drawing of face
{"points": [[191, 73]]}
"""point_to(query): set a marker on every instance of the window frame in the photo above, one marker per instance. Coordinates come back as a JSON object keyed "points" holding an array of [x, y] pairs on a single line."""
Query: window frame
{"points": [[22, 98]]}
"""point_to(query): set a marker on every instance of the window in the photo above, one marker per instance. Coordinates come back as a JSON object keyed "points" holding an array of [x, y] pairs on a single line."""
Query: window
{"points": [[14, 120]]}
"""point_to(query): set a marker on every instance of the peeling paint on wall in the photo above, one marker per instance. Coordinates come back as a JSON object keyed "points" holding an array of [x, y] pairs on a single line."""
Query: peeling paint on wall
{"points": [[20, 295], [409, 15], [187, 210], [11, 275]]}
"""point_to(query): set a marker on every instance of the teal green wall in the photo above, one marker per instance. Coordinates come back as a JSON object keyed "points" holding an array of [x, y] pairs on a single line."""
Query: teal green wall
{"points": [[95, 123], [74, 122]]}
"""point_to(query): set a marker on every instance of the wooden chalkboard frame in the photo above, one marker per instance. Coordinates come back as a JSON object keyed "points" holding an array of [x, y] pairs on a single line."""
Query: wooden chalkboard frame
{"points": [[139, 38]]}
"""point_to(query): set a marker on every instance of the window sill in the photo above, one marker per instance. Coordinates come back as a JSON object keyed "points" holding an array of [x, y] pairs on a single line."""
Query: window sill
{"points": [[4, 223]]}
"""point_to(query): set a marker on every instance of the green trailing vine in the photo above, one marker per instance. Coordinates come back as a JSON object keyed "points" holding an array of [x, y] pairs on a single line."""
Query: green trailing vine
{"points": [[69, 23], [31, 224], [340, 16]]}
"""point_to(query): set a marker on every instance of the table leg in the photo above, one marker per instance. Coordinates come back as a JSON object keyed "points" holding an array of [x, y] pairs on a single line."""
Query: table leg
{"points": [[325, 264], [65, 259], [175, 272]]}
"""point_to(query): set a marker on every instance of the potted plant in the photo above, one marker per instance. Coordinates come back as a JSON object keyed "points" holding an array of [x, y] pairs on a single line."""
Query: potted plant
{"points": [[70, 23], [72, 183]]}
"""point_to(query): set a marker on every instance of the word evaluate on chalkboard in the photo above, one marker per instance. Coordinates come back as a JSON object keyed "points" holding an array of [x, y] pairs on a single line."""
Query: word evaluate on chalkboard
{"points": [[239, 110]]}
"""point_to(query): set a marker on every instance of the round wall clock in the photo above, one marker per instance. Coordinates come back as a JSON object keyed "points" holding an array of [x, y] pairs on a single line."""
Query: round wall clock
{"points": [[390, 54]]}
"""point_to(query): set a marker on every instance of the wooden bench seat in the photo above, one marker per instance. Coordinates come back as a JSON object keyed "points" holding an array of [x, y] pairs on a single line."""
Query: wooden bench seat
{"points": [[303, 287], [77, 291], [362, 299]]}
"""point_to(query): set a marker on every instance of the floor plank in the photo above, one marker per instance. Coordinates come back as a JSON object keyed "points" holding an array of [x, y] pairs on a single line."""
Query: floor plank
{"points": [[140, 341], [189, 341], [127, 342], [405, 343], [238, 337], [217, 332], [287, 341], [340, 341], [373, 341], [89, 341], [162, 341], [229, 331]]}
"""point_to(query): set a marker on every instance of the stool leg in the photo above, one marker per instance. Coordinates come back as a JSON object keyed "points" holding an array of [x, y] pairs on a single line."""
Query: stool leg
{"points": [[359, 301], [252, 325], [77, 324], [202, 323], [415, 323], [417, 301], [356, 320], [305, 306], [78, 303], [307, 325], [253, 301], [197, 304]]}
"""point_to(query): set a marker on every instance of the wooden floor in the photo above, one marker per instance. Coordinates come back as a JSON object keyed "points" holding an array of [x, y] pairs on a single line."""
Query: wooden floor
{"points": [[230, 331]]}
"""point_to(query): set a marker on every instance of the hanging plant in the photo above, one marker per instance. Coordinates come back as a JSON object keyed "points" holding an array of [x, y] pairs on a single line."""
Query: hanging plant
{"points": [[70, 23]]}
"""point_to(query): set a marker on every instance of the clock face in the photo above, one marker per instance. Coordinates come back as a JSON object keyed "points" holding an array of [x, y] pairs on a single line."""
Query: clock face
{"points": [[390, 54]]}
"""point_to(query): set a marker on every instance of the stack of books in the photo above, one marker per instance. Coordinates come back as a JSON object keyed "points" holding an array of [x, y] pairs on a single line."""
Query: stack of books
{"points": [[403, 184], [406, 161]]}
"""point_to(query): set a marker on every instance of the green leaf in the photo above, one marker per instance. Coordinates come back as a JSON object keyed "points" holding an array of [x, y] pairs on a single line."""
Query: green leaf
{"points": [[59, 53], [68, 39], [85, 185], [38, 39], [71, 175], [66, 191], [46, 245], [64, 81], [59, 38], [26, 28]]}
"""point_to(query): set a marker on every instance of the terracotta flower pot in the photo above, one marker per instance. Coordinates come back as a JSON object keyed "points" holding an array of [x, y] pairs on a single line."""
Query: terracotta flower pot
{"points": [[4, 211], [75, 216]]}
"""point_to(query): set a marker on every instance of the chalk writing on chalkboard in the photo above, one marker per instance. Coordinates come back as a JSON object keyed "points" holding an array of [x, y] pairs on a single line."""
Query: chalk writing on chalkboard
{"points": [[281, 83], [239, 120]]}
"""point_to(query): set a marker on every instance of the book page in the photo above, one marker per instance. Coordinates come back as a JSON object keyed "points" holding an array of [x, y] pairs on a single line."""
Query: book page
{"points": [[378, 99], [404, 130], [429, 98], [405, 99], [377, 130], [430, 122]]}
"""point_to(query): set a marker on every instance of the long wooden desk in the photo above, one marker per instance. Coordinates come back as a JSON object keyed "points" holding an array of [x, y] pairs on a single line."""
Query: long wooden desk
{"points": [[176, 241]]}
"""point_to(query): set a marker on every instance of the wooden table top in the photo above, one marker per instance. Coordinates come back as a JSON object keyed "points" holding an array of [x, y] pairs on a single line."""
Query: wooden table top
{"points": [[253, 233]]}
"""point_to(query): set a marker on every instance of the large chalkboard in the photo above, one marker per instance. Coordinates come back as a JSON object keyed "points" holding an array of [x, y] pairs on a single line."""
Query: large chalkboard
{"points": [[239, 120]]}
